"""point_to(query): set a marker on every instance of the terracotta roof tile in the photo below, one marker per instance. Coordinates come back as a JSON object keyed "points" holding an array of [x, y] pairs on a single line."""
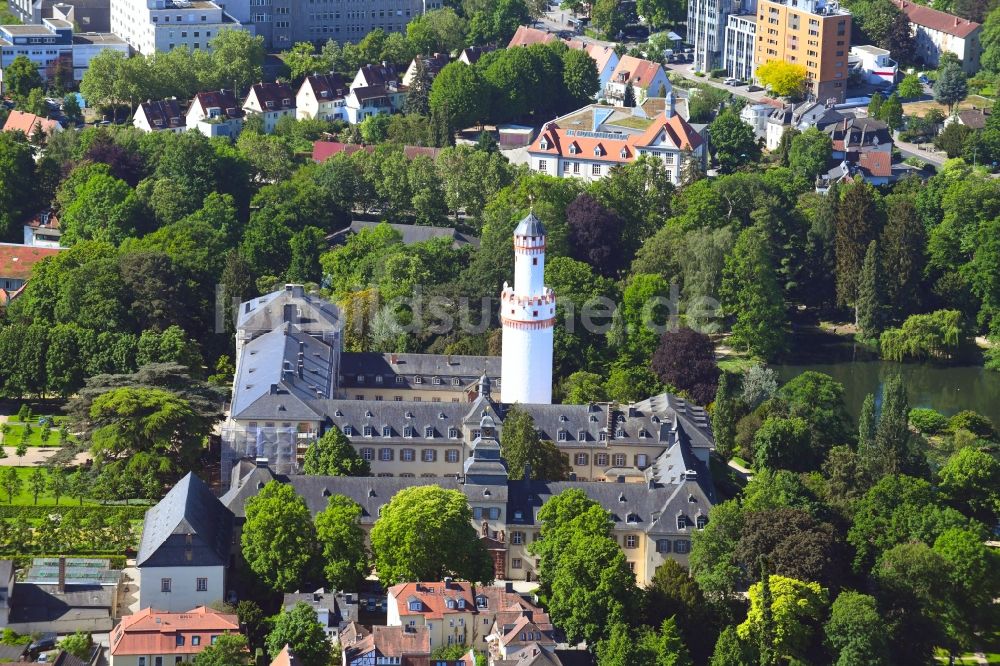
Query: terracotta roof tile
{"points": [[640, 72], [16, 261], [434, 597], [163, 114], [525, 36], [157, 632], [935, 19], [279, 94], [601, 55], [876, 163], [219, 99], [678, 132], [26, 122]]}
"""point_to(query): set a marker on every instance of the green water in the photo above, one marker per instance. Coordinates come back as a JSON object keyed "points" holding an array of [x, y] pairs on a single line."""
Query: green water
{"points": [[946, 389]]}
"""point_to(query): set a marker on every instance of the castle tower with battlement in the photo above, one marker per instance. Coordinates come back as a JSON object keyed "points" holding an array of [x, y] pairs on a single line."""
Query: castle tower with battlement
{"points": [[528, 314]]}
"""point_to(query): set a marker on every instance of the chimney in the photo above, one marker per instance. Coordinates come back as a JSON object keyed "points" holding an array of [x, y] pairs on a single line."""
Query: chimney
{"points": [[527, 471], [260, 461], [62, 574]]}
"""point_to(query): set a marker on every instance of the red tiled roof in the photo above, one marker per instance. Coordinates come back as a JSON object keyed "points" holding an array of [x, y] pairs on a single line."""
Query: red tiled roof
{"points": [[433, 598], [640, 72], [163, 113], [876, 163], [601, 55], [936, 19], [220, 99], [157, 632], [285, 658], [677, 130], [393, 642], [26, 122], [16, 261], [327, 86], [525, 36], [279, 94]]}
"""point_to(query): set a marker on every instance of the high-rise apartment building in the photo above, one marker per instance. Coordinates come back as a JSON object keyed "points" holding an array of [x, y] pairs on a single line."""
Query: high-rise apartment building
{"points": [[707, 29], [813, 33]]}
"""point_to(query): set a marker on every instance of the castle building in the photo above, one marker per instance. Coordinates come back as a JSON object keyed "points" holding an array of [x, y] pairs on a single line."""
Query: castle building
{"points": [[422, 419], [528, 314]]}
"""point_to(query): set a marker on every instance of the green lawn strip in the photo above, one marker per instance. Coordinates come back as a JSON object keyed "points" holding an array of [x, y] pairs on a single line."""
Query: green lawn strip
{"points": [[27, 498], [13, 438]]}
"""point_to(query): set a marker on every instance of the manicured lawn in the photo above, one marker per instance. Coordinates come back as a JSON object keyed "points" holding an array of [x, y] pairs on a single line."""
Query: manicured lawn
{"points": [[13, 438], [26, 498]]}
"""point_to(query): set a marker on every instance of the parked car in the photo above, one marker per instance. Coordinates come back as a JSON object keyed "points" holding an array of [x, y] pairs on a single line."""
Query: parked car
{"points": [[731, 81], [44, 642]]}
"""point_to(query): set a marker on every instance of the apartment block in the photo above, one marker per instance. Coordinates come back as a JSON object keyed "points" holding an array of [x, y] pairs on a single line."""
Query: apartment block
{"points": [[741, 35], [163, 25], [706, 22], [812, 33]]}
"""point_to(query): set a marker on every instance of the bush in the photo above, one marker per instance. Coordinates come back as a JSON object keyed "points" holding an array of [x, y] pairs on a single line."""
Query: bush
{"points": [[133, 511], [22, 561], [974, 422], [718, 73], [928, 421]]}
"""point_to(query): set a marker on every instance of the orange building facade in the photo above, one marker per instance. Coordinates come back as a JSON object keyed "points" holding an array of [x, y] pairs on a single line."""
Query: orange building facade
{"points": [[811, 33]]}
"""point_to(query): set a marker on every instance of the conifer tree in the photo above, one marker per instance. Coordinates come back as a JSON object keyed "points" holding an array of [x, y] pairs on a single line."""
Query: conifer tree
{"points": [[724, 418], [870, 304], [628, 100], [766, 638], [875, 106], [902, 247], [891, 454], [418, 96], [866, 426], [857, 225]]}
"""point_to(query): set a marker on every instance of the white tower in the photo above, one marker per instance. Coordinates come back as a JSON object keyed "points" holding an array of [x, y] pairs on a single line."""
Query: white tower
{"points": [[528, 314]]}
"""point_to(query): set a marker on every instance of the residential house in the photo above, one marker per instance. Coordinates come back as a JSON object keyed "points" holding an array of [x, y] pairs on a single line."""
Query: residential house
{"points": [[375, 90], [185, 549], [6, 590], [286, 658], [873, 63], [16, 262], [515, 629], [527, 36], [321, 96], [853, 135], [974, 118], [936, 32], [606, 60], [163, 115], [42, 230], [29, 123], [613, 138], [215, 113], [157, 638], [648, 79], [541, 654], [272, 101], [334, 610], [406, 646], [470, 55], [756, 114], [861, 147], [800, 117], [446, 610], [432, 65]]}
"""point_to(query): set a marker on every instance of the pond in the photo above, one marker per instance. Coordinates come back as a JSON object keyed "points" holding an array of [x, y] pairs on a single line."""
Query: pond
{"points": [[948, 389]]}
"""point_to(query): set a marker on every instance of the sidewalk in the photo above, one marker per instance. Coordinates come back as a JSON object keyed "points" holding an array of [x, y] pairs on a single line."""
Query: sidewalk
{"points": [[36, 455]]}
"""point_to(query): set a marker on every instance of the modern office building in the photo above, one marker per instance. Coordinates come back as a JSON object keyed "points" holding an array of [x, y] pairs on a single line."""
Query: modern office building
{"points": [[813, 33], [163, 25], [90, 15]]}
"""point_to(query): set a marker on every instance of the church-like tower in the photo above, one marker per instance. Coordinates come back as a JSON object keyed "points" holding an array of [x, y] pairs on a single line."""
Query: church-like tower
{"points": [[528, 314]]}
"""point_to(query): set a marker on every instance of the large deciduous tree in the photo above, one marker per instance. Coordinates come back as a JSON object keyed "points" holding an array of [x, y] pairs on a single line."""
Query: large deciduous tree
{"points": [[856, 632], [785, 79], [751, 295], [299, 629], [279, 539], [458, 93], [342, 543], [426, 533], [733, 141], [685, 359], [795, 608]]}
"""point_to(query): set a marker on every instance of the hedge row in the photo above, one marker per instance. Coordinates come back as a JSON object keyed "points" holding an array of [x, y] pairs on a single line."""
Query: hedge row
{"points": [[133, 512], [23, 561]]}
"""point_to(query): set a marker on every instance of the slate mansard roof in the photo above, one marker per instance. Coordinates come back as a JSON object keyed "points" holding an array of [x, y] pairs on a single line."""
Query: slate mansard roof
{"points": [[189, 509], [435, 371]]}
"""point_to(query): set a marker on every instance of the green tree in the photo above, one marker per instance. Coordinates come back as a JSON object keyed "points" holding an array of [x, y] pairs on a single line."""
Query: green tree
{"points": [[58, 483], [580, 76], [418, 96], [892, 112], [856, 632], [103, 208], [36, 483], [903, 246], [782, 443], [856, 227], [870, 305], [78, 644], [306, 246], [892, 434], [333, 455], [809, 153], [730, 650], [342, 542], [522, 446], [237, 59], [302, 60], [279, 539], [562, 516], [628, 97], [17, 180], [608, 18], [425, 533], [724, 418], [971, 482], [866, 427], [458, 93], [583, 387], [733, 141], [673, 593], [796, 607], [910, 87], [21, 76], [875, 106], [227, 650], [11, 482], [951, 86], [751, 294], [299, 629]]}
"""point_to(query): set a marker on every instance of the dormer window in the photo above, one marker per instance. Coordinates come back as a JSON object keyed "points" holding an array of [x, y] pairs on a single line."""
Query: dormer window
{"points": [[361, 379], [456, 382], [368, 431], [408, 431], [453, 433], [451, 603], [461, 603], [624, 154], [414, 605], [701, 521], [482, 602], [619, 433], [386, 431], [544, 145], [378, 379], [349, 430], [581, 436], [681, 522], [269, 104], [286, 102], [429, 432], [436, 381], [572, 149], [562, 436], [418, 380], [598, 151], [399, 380]]}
